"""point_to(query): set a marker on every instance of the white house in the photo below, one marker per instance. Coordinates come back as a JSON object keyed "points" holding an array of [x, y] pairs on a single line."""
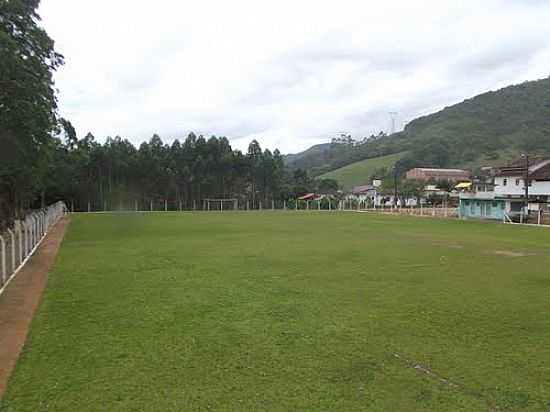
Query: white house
{"points": [[510, 185], [364, 193]]}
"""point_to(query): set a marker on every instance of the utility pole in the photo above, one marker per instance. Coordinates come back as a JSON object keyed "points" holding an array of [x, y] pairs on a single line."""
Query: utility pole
{"points": [[395, 185], [526, 157]]}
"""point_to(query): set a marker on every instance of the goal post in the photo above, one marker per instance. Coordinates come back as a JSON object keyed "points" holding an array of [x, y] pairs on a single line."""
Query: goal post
{"points": [[221, 204]]}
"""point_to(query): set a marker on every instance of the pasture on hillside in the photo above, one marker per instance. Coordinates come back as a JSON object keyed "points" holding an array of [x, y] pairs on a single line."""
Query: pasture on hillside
{"points": [[283, 311], [360, 173]]}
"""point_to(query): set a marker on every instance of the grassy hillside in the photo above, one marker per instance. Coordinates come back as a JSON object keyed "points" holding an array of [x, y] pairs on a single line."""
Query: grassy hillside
{"points": [[510, 120], [359, 173]]}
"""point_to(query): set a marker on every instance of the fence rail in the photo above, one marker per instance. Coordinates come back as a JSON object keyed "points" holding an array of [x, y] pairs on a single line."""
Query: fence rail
{"points": [[448, 212], [19, 242]]}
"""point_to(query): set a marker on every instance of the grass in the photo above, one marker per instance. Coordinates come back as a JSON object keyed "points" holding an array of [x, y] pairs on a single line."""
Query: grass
{"points": [[359, 173], [290, 311]]}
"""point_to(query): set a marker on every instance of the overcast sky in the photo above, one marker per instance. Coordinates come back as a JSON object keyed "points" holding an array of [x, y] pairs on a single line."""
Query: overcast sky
{"points": [[288, 73]]}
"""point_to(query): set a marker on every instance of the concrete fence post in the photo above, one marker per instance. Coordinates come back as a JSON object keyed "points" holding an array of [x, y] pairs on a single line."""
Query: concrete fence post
{"points": [[20, 243], [27, 238], [31, 232], [12, 235], [3, 252], [35, 226]]}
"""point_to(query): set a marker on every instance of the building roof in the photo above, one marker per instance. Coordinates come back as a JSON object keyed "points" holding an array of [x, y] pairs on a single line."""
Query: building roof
{"points": [[542, 173], [362, 189], [308, 196], [428, 169], [539, 169]]}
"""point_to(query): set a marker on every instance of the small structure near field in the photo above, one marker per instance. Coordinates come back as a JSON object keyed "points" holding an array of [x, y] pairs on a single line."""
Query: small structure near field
{"points": [[424, 173], [478, 200], [363, 193]]}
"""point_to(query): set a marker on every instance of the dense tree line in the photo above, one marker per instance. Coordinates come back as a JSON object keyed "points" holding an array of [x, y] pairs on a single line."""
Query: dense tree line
{"points": [[116, 174]]}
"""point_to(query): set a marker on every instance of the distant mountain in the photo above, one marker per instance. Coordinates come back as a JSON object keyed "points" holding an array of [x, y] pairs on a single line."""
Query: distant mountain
{"points": [[313, 151], [510, 120]]}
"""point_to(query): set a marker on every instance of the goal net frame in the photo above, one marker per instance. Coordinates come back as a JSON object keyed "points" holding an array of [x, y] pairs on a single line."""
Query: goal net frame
{"points": [[233, 201]]}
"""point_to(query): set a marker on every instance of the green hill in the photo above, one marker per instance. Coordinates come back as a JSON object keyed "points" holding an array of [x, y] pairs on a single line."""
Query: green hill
{"points": [[359, 173], [510, 120]]}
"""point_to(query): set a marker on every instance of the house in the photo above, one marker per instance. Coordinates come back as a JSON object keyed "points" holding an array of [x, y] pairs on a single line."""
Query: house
{"points": [[423, 173], [505, 197], [364, 193], [479, 200], [510, 184]]}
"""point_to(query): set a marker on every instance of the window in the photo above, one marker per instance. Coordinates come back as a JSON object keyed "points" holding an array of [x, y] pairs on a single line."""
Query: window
{"points": [[495, 204], [517, 182], [505, 182], [530, 183]]}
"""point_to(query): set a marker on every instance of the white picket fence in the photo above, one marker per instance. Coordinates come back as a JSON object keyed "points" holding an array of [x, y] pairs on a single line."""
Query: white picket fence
{"points": [[20, 242]]}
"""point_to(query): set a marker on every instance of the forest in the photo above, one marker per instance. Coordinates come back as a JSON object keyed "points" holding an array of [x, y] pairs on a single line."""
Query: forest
{"points": [[116, 174]]}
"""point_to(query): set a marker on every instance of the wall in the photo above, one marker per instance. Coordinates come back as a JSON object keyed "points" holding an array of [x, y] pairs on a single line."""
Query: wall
{"points": [[482, 209], [537, 188]]}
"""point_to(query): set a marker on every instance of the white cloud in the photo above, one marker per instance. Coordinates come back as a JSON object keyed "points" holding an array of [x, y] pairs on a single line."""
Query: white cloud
{"points": [[290, 73]]}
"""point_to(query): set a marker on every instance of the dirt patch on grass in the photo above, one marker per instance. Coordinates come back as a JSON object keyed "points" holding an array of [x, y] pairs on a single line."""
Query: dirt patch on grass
{"points": [[423, 369], [20, 299], [510, 253]]}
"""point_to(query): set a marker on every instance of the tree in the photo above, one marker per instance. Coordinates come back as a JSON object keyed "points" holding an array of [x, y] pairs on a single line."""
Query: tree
{"points": [[327, 186], [27, 103]]}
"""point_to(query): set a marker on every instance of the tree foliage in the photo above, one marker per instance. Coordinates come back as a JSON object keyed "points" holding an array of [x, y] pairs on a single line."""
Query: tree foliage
{"points": [[117, 173], [27, 102]]}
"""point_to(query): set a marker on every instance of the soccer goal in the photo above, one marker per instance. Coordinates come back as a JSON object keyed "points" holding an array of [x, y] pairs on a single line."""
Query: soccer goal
{"points": [[220, 204]]}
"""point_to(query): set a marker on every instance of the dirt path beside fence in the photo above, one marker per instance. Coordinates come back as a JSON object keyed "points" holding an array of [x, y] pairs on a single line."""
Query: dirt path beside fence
{"points": [[21, 298]]}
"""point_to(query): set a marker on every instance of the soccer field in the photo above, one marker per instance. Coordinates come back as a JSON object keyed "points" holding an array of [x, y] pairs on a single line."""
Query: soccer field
{"points": [[290, 311]]}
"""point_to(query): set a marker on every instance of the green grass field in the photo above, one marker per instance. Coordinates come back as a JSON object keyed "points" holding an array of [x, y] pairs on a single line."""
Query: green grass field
{"points": [[290, 311], [359, 173]]}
